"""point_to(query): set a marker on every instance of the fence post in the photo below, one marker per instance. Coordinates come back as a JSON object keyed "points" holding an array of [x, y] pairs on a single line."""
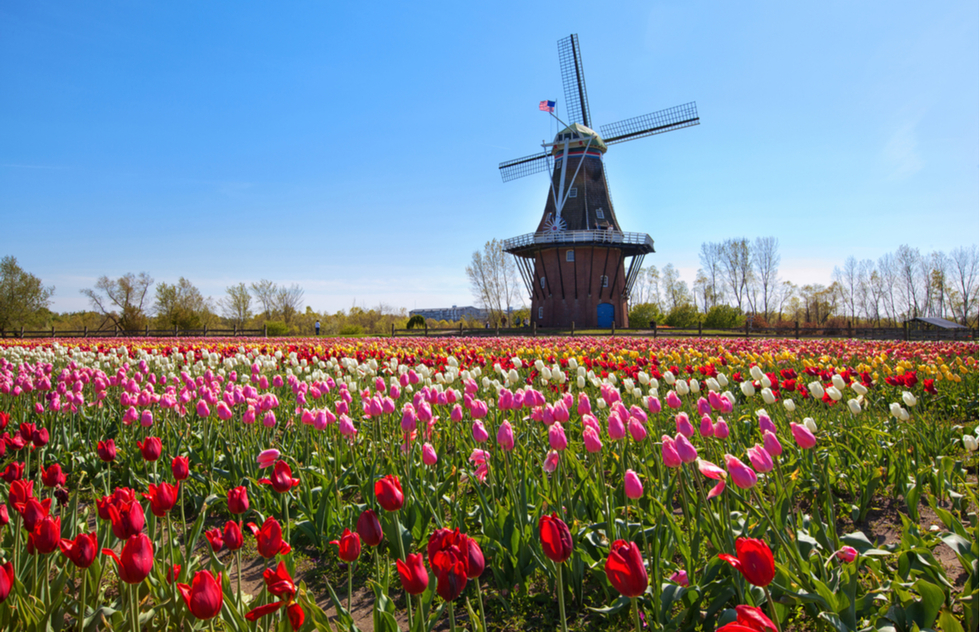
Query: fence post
{"points": [[534, 329], [265, 329], [797, 329], [747, 321], [613, 327], [905, 330], [654, 328], [699, 329], [175, 331], [85, 332], [21, 331], [426, 330], [392, 330], [573, 328], [460, 329], [850, 330], [52, 331]]}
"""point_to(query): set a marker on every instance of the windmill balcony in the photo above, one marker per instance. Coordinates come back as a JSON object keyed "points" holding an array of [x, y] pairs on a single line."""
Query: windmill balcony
{"points": [[634, 243]]}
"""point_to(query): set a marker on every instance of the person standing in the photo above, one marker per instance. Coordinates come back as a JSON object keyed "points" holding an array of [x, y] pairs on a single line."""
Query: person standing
{"points": [[317, 327]]}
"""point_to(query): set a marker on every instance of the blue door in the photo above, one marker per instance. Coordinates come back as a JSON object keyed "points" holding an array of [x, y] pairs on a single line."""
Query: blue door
{"points": [[605, 314]]}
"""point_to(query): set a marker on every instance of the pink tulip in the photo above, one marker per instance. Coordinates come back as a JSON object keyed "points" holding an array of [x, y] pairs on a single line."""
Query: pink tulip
{"points": [[704, 408], [710, 470], [146, 419], [505, 436], [479, 432], [721, 429], [653, 405], [715, 400], [249, 416], [615, 428], [686, 451], [771, 443], [760, 459], [346, 427], [632, 485], [766, 424], [847, 554], [742, 475], [267, 458], [804, 438], [479, 409], [673, 400], [707, 429], [584, 405], [129, 416], [224, 412], [716, 490], [684, 425], [556, 437], [269, 419], [589, 420], [321, 420], [639, 413], [429, 456], [202, 408], [550, 462], [408, 417], [679, 577], [637, 430], [548, 414], [591, 438], [669, 452], [456, 414]]}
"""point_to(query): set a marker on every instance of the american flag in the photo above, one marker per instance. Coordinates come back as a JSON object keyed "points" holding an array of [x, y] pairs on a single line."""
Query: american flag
{"points": [[547, 106]]}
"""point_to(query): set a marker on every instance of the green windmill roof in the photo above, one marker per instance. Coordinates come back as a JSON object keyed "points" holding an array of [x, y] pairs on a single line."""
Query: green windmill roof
{"points": [[580, 134]]}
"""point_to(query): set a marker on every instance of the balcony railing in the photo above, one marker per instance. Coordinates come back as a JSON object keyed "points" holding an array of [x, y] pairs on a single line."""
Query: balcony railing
{"points": [[579, 237]]}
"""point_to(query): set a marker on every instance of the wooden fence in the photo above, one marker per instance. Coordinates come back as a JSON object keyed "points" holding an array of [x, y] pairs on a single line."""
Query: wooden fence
{"points": [[146, 332]]}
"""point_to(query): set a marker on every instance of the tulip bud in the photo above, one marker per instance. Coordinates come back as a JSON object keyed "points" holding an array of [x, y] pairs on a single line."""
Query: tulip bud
{"points": [[789, 405], [838, 382], [970, 443], [854, 406], [859, 388], [632, 485], [810, 424], [909, 399], [834, 394]]}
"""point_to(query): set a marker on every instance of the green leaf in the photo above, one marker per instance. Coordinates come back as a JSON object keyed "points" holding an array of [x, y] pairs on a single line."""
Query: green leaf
{"points": [[948, 622], [618, 606], [932, 601]]}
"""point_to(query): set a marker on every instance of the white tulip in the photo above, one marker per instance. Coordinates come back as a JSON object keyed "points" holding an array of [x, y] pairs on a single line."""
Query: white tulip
{"points": [[695, 385], [816, 390], [970, 443], [637, 392], [838, 381], [810, 424], [600, 404], [893, 408], [669, 378], [747, 389], [513, 376], [766, 382], [538, 364], [834, 394], [546, 374], [859, 388], [581, 381], [580, 371], [612, 378], [654, 383], [903, 414], [756, 373], [654, 392], [628, 384], [681, 387], [909, 399], [722, 380], [854, 406], [572, 364], [728, 395], [517, 362], [767, 396], [712, 384], [643, 378]]}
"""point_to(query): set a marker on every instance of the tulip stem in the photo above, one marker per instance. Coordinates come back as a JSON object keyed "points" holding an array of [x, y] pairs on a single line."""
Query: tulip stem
{"points": [[479, 600], [350, 586], [173, 571], [636, 614], [238, 562], [452, 618], [401, 555], [83, 572], [560, 589], [134, 606], [772, 609]]}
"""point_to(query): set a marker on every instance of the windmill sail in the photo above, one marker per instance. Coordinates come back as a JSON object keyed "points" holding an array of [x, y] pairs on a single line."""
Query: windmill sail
{"points": [[677, 117], [573, 81], [520, 167]]}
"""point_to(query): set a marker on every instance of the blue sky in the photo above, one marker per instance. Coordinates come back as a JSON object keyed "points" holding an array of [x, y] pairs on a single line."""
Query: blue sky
{"points": [[354, 150]]}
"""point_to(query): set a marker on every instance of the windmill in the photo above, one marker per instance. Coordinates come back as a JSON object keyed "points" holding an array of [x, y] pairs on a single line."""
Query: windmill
{"points": [[574, 264]]}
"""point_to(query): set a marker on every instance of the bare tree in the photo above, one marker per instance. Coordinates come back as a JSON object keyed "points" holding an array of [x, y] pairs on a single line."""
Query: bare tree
{"points": [[964, 269], [765, 263], [887, 280], [847, 284], [937, 282], [737, 267], [22, 295], [908, 267], [288, 301], [121, 300], [676, 293], [493, 280], [711, 261], [237, 304], [265, 292]]}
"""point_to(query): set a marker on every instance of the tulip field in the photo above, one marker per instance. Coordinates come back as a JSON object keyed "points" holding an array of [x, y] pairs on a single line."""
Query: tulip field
{"points": [[488, 484]]}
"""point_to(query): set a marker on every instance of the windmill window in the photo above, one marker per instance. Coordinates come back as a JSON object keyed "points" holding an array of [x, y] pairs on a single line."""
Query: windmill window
{"points": [[542, 283], [540, 313], [573, 192], [604, 280], [569, 255], [599, 214]]}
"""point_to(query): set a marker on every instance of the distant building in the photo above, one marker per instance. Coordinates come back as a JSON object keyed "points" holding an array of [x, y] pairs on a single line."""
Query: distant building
{"points": [[451, 314]]}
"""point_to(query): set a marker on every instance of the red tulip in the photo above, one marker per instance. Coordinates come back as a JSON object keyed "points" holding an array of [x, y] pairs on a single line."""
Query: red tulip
{"points": [[6, 580], [238, 500], [754, 619], [269, 538], [625, 570], [46, 535], [280, 584], [4, 516], [127, 519], [33, 511], [449, 558], [754, 560], [412, 572], [474, 559], [40, 437], [20, 491], [136, 559], [203, 597], [556, 539], [388, 491], [107, 450], [27, 431], [282, 478], [120, 496], [81, 551], [162, 497], [214, 537], [14, 471], [180, 467], [369, 528], [172, 573], [232, 536], [151, 448], [349, 546]]}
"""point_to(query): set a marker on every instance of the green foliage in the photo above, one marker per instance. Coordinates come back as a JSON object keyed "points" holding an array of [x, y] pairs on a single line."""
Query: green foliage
{"points": [[276, 328], [683, 316], [351, 330], [23, 299], [640, 315], [724, 317], [416, 321]]}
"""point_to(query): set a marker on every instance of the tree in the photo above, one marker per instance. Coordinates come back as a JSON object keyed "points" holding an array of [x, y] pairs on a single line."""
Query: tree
{"points": [[22, 295], [676, 293], [765, 264], [907, 261], [493, 280], [287, 301], [964, 267], [737, 268], [711, 262], [265, 293], [182, 305], [847, 283], [237, 304], [121, 300]]}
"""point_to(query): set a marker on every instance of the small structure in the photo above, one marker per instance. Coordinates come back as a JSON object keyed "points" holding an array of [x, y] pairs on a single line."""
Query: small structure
{"points": [[451, 314], [930, 328], [575, 263]]}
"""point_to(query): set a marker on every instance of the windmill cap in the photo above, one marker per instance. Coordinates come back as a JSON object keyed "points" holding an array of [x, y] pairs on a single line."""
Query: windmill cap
{"points": [[578, 136]]}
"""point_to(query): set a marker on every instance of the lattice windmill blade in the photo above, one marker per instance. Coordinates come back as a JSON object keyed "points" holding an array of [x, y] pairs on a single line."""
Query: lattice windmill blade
{"points": [[520, 167], [677, 117], [573, 81]]}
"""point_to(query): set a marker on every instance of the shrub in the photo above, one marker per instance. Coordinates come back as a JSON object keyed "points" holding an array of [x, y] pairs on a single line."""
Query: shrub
{"points": [[724, 317], [640, 315], [351, 330], [416, 321], [276, 328], [683, 316]]}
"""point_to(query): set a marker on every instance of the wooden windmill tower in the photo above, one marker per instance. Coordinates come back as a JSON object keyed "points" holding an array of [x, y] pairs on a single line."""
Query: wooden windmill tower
{"points": [[574, 264]]}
